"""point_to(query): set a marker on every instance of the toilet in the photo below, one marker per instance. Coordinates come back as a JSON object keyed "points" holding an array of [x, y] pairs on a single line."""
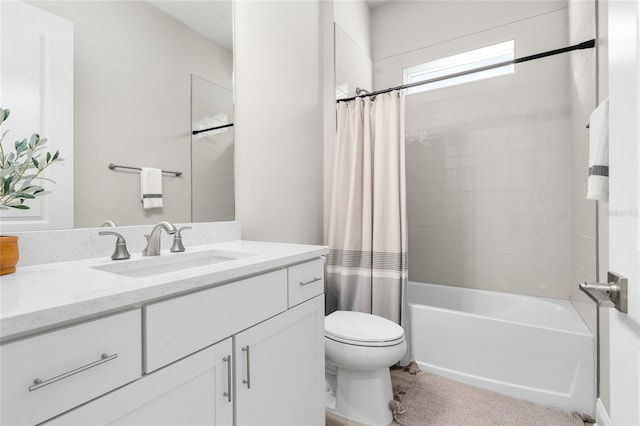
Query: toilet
{"points": [[359, 349]]}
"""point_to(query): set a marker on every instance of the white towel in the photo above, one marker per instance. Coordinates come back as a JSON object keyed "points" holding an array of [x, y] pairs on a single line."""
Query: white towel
{"points": [[151, 187], [598, 181]]}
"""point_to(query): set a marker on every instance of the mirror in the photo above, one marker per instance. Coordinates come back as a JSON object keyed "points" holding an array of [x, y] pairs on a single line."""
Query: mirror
{"points": [[133, 67], [212, 152]]}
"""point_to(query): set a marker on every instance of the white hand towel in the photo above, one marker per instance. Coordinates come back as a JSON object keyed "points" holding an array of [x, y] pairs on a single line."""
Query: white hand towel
{"points": [[151, 187], [598, 181]]}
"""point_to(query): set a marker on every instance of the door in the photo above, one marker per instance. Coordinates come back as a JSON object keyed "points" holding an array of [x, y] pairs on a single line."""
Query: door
{"points": [[193, 391], [280, 369], [37, 86], [624, 209]]}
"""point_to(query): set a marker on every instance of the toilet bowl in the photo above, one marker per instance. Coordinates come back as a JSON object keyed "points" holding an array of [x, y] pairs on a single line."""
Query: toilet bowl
{"points": [[359, 349]]}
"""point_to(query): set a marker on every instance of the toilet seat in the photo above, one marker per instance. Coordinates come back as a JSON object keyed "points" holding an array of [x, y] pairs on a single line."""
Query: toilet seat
{"points": [[361, 329]]}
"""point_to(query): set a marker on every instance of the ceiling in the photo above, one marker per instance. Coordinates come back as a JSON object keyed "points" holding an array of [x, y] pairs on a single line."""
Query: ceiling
{"points": [[212, 19], [374, 4]]}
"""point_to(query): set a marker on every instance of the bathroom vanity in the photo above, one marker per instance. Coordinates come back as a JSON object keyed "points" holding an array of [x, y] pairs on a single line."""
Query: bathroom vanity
{"points": [[225, 341]]}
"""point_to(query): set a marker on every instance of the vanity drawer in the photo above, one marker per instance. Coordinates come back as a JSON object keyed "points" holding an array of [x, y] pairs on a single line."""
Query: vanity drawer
{"points": [[73, 365], [306, 280], [177, 327]]}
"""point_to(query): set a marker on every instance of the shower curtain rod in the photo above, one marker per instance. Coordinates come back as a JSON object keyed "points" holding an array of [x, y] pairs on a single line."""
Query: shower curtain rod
{"points": [[584, 45], [195, 132]]}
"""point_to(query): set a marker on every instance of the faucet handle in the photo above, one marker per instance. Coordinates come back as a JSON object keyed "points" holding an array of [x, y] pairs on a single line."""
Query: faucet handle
{"points": [[120, 251], [177, 245]]}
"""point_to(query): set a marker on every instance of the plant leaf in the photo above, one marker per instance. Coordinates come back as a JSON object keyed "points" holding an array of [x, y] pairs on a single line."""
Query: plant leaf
{"points": [[33, 141], [20, 207], [20, 146], [23, 195], [32, 188], [44, 178]]}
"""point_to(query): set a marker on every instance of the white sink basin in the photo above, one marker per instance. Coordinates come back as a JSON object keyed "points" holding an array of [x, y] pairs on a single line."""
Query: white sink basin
{"points": [[148, 266]]}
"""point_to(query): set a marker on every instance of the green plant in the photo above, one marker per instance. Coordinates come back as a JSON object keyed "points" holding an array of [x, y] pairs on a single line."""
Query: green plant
{"points": [[21, 167]]}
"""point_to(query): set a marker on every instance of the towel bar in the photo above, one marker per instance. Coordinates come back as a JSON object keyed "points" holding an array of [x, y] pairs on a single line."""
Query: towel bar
{"points": [[114, 166]]}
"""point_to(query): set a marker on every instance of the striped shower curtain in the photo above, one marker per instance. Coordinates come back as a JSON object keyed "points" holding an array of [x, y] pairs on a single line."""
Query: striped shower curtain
{"points": [[367, 263]]}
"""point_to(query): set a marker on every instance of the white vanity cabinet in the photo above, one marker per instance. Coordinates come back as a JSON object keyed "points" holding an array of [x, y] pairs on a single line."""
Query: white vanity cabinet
{"points": [[193, 391], [279, 369], [47, 374], [231, 354], [182, 325]]}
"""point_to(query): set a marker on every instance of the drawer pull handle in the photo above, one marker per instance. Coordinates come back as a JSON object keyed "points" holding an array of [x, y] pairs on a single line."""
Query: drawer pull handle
{"points": [[247, 381], [310, 282], [39, 383], [228, 392]]}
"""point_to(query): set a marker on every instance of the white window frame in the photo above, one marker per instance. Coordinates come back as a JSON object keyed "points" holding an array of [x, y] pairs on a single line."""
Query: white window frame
{"points": [[465, 61]]}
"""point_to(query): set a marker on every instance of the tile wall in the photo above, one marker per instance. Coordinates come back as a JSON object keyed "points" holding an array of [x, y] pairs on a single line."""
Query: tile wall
{"points": [[489, 172]]}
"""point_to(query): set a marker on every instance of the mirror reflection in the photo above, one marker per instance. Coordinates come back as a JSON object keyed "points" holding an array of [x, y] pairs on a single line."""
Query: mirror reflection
{"points": [[138, 66], [212, 152]]}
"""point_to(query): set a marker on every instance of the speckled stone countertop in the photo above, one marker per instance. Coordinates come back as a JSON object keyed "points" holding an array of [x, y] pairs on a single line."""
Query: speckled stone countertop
{"points": [[42, 297]]}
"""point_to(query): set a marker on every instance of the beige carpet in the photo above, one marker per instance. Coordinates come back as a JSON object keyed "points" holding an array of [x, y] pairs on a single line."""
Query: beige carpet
{"points": [[435, 400]]}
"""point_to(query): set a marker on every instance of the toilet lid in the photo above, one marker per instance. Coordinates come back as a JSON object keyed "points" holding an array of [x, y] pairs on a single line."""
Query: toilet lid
{"points": [[362, 329]]}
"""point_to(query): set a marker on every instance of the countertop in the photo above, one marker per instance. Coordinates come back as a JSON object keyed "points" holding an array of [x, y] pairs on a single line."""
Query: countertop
{"points": [[41, 297]]}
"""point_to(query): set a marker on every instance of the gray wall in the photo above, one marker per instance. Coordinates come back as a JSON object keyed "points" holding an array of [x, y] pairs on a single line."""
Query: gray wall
{"points": [[279, 110], [132, 102], [488, 163]]}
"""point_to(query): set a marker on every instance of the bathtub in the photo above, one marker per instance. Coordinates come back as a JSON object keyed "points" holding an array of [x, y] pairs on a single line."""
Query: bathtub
{"points": [[526, 347]]}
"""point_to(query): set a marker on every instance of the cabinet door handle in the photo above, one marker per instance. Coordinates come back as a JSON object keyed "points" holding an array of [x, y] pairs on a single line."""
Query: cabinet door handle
{"points": [[247, 381], [228, 392], [310, 282], [39, 383]]}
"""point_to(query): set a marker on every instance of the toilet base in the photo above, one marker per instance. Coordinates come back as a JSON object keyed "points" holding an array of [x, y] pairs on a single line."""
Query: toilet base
{"points": [[362, 396]]}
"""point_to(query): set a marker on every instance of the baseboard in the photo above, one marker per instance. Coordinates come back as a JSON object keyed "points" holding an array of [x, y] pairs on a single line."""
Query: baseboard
{"points": [[602, 417]]}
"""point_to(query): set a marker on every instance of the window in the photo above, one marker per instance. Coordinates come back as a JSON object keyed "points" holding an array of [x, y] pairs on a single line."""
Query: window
{"points": [[462, 62]]}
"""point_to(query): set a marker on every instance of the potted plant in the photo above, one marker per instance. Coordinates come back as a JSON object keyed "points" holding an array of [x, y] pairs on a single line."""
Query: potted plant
{"points": [[18, 171]]}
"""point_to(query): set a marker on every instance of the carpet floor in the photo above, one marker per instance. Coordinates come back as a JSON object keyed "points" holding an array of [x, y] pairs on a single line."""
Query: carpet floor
{"points": [[435, 400], [428, 399]]}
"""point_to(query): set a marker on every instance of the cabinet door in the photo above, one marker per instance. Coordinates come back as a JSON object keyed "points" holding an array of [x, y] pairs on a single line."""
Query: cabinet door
{"points": [[280, 369], [192, 391], [48, 374]]}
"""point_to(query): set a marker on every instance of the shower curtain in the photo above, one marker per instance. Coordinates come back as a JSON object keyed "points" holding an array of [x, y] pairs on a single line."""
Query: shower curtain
{"points": [[367, 263]]}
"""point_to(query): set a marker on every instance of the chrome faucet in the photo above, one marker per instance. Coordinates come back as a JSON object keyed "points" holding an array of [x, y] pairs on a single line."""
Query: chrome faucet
{"points": [[120, 252], [153, 241], [177, 245], [108, 222]]}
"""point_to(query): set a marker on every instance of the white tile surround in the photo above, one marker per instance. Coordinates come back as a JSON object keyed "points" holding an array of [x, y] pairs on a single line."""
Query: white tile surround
{"points": [[489, 170], [39, 247]]}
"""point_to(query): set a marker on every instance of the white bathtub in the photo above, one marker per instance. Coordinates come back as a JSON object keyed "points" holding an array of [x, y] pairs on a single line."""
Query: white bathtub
{"points": [[530, 348]]}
